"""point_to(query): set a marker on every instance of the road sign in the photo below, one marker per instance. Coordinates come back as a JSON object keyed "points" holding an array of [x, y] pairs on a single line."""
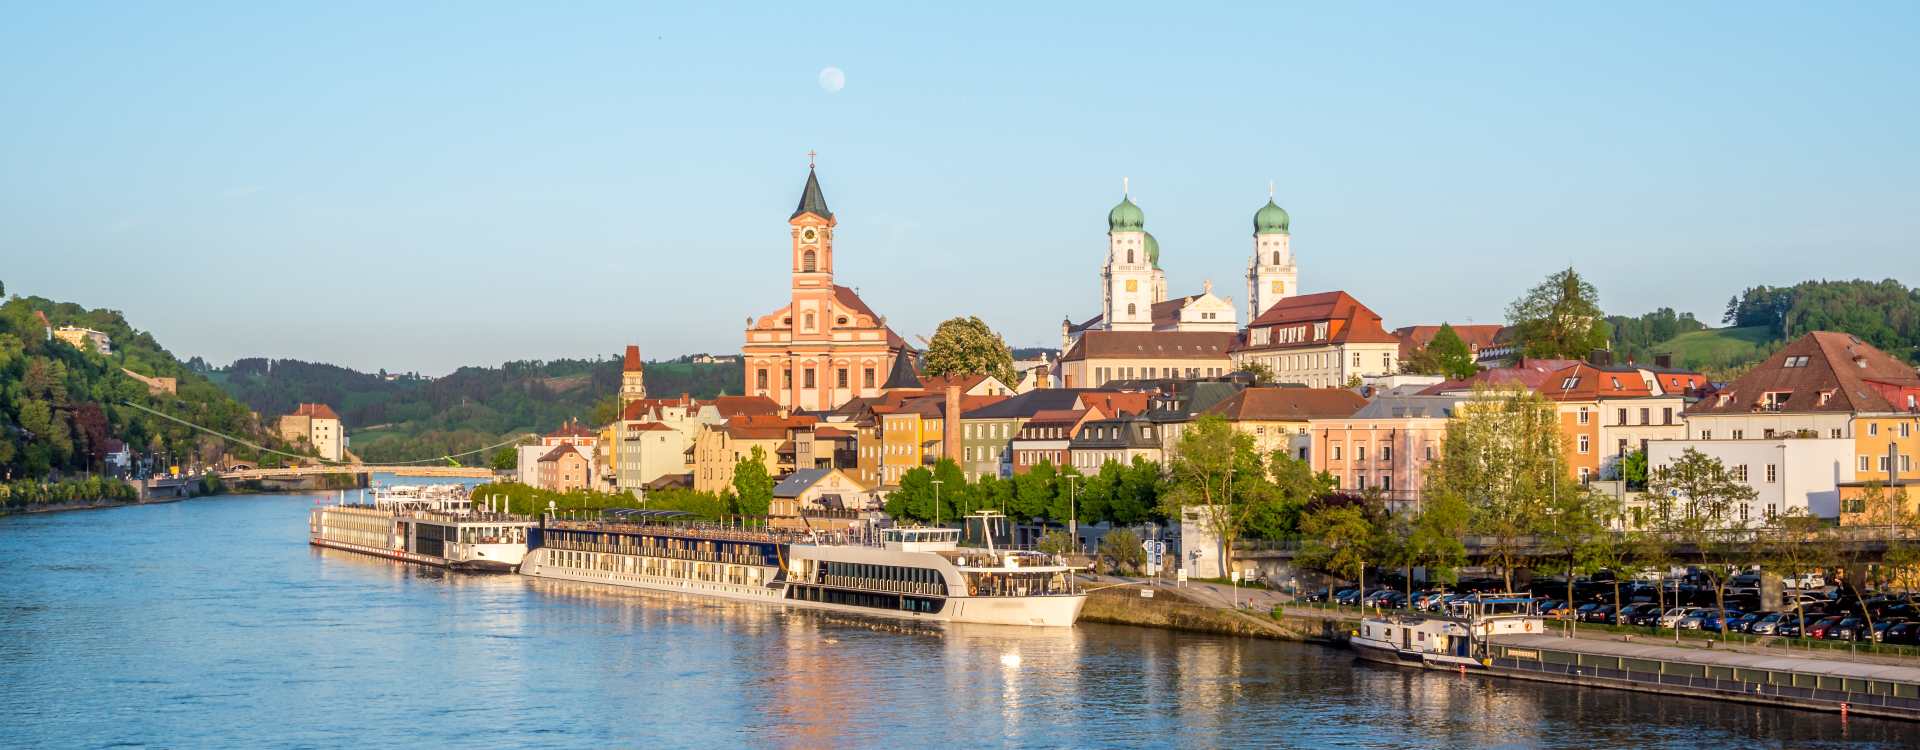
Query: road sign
{"points": [[1235, 575], [1181, 575]]}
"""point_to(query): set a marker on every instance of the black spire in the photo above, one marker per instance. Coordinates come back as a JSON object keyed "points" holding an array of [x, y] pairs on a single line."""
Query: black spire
{"points": [[812, 201], [903, 374]]}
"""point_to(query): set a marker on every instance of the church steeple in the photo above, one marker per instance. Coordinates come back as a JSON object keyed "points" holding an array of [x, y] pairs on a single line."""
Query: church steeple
{"points": [[812, 201]]}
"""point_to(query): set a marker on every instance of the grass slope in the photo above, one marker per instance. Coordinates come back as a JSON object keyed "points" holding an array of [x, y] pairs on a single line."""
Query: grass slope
{"points": [[1720, 348]]}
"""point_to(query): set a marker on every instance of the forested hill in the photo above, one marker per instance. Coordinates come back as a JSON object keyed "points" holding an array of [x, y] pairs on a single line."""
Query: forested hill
{"points": [[60, 406], [405, 417], [1885, 313]]}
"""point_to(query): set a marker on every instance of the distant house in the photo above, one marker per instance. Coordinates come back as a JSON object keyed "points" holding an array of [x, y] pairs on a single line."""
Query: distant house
{"points": [[319, 427], [565, 468], [809, 490], [85, 338]]}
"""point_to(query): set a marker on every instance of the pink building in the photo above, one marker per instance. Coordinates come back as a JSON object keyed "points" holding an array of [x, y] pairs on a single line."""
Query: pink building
{"points": [[1388, 445]]}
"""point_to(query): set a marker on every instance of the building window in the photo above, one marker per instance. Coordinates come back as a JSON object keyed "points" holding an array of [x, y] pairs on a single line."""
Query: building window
{"points": [[1583, 417], [760, 379], [1336, 454], [1836, 433], [1386, 482], [806, 378], [867, 377], [1130, 309], [1773, 473], [1621, 417], [1739, 434], [1360, 482], [1666, 416], [1863, 463], [1586, 445], [1586, 475], [1740, 473], [1356, 365], [1646, 416], [1386, 453], [1906, 430], [1429, 451], [807, 261], [1386, 362], [1873, 429]]}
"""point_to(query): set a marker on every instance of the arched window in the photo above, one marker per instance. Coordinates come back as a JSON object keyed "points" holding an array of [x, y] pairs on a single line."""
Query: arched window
{"points": [[1276, 257], [1130, 309], [809, 321], [806, 261], [1129, 255]]}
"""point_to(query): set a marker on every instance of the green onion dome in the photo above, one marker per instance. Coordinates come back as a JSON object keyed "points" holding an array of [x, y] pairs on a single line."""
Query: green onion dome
{"points": [[1125, 217], [1153, 251], [1270, 219]]}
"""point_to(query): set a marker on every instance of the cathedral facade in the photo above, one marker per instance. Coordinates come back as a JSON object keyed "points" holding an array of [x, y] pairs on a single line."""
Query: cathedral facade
{"points": [[825, 347], [1133, 288]]}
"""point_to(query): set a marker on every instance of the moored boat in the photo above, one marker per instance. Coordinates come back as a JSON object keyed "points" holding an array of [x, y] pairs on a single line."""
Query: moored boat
{"points": [[913, 573], [1457, 640], [431, 527]]}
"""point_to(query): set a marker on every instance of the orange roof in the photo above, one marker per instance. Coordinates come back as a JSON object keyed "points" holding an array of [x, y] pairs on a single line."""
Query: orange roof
{"points": [[731, 406], [633, 359], [1531, 374], [1114, 403], [316, 411], [559, 452], [648, 427], [1823, 371], [1584, 382], [1348, 321], [572, 429], [764, 427]]}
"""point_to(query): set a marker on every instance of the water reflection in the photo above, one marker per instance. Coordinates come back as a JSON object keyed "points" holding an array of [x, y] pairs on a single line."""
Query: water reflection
{"points": [[212, 623]]}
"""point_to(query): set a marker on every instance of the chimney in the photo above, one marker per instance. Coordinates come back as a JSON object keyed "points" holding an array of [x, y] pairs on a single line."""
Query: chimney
{"points": [[1663, 361], [1600, 358], [950, 437]]}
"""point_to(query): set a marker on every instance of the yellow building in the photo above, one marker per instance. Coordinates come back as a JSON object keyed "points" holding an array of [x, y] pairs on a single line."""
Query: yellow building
{"points": [[1278, 418], [718, 448]]}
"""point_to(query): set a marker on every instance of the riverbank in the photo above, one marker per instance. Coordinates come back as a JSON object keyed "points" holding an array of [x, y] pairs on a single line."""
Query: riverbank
{"points": [[1171, 608]]}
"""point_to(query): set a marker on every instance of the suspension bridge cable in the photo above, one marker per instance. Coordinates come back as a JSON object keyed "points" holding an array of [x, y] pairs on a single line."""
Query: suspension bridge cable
{"points": [[259, 447]]}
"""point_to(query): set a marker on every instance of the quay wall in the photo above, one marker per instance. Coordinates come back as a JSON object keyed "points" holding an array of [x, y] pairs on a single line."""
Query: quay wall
{"points": [[1503, 668], [1171, 611]]}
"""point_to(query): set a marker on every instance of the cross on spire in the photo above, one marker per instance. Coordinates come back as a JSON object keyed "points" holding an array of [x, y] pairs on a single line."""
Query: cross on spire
{"points": [[1124, 191], [810, 155], [1269, 189]]}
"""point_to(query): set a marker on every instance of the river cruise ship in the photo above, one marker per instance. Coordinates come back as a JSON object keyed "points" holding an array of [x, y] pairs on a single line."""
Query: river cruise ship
{"points": [[433, 527], [1457, 640], [914, 573]]}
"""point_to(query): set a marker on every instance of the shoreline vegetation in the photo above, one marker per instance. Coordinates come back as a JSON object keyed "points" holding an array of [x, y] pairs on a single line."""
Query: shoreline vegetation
{"points": [[36, 496]]}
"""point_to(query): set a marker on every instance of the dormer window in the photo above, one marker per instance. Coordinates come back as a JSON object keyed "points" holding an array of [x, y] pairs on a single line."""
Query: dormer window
{"points": [[1796, 361], [1616, 384], [1569, 383]]}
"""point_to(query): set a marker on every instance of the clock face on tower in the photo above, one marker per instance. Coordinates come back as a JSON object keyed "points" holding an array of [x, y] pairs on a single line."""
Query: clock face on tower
{"points": [[808, 235]]}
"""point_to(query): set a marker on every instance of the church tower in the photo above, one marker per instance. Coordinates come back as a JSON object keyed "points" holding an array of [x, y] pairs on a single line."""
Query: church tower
{"points": [[633, 383], [812, 227], [1130, 282], [1271, 276]]}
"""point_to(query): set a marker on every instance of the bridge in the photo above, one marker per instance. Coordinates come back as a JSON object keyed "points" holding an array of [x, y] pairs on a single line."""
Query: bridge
{"points": [[471, 472]]}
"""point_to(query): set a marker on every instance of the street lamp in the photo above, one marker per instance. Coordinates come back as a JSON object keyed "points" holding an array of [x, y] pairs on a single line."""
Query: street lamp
{"points": [[936, 501], [1073, 510]]}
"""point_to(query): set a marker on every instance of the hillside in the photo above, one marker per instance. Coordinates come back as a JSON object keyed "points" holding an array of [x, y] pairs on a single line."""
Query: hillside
{"points": [[1717, 349], [60, 406], [404, 418]]}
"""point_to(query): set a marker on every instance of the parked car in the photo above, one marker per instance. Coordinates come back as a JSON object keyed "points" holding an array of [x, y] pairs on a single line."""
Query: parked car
{"points": [[1710, 621], [1847, 629], [1819, 629], [1645, 613], [1767, 623], [1745, 622], [1902, 634], [1551, 607], [1348, 597], [1602, 614], [1695, 619], [1673, 616], [1880, 627]]}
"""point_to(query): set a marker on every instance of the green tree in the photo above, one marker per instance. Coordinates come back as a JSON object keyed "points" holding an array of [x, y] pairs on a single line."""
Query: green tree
{"points": [[966, 346], [1502, 458], [1033, 491], [1793, 547], [1633, 468], [1559, 319], [1123, 547], [1056, 543], [1450, 355], [1710, 520], [752, 485], [1572, 526], [1216, 474], [1261, 374], [1436, 540], [505, 459], [1337, 539]]}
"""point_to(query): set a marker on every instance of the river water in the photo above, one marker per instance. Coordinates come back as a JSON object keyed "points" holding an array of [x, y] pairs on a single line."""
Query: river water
{"points": [[212, 623]]}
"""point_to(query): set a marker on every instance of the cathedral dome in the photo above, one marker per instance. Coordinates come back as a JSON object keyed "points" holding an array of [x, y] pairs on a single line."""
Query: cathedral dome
{"points": [[1153, 250], [1270, 219], [1125, 217]]}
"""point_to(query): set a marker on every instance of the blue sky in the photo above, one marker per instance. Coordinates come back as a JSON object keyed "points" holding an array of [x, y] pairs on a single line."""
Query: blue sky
{"points": [[417, 187]]}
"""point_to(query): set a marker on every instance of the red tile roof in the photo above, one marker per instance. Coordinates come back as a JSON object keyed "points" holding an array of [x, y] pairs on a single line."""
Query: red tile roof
{"points": [[1530, 374], [632, 363], [559, 452], [1823, 371], [1415, 338], [572, 429], [731, 406], [648, 427], [316, 411], [1289, 404], [1584, 382], [1349, 322], [1112, 404], [764, 427]]}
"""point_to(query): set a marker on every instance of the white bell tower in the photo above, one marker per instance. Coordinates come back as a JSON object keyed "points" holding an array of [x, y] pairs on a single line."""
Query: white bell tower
{"points": [[1271, 275], [1127, 281]]}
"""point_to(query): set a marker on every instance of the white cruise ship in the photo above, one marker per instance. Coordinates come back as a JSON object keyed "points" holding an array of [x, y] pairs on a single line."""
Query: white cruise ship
{"points": [[913, 573]]}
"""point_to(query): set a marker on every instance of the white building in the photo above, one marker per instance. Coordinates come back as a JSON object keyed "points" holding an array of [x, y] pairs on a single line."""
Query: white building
{"points": [[1271, 275], [1319, 340], [1786, 473]]}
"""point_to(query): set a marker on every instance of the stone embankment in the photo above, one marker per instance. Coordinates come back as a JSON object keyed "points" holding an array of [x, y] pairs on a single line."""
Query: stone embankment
{"points": [[1173, 608]]}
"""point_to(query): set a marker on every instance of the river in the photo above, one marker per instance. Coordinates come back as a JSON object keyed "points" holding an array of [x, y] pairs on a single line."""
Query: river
{"points": [[212, 623]]}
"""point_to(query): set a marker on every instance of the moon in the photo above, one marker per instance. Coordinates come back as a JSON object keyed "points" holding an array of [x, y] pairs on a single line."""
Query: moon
{"points": [[832, 79]]}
